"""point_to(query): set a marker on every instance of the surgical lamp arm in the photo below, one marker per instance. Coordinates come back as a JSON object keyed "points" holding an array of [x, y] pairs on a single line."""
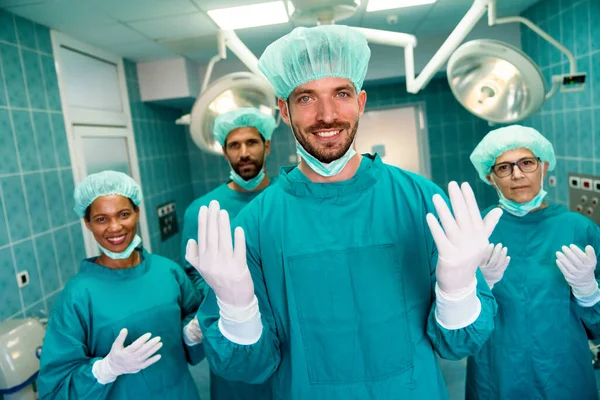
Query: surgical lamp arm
{"points": [[409, 42], [492, 20], [229, 40]]}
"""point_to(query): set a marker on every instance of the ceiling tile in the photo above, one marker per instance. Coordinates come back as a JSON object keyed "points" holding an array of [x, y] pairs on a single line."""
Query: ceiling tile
{"points": [[143, 51], [136, 10], [408, 19], [216, 4], [63, 14], [194, 24], [107, 36], [201, 47]]}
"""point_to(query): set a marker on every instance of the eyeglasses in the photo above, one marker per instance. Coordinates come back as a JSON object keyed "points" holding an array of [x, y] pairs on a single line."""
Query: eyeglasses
{"points": [[527, 164]]}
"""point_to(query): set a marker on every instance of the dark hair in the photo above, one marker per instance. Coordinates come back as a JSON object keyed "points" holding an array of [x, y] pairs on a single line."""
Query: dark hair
{"points": [[88, 210], [262, 138]]}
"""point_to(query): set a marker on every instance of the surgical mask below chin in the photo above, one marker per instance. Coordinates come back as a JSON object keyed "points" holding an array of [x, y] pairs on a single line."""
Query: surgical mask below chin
{"points": [[325, 169], [125, 253], [522, 209], [249, 184]]}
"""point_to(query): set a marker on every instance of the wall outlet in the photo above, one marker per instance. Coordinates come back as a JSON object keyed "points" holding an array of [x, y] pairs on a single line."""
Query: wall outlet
{"points": [[23, 279], [167, 220]]}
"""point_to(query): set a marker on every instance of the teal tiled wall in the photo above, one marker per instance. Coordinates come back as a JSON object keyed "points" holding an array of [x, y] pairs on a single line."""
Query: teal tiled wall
{"points": [[163, 157], [38, 230], [571, 121], [453, 132]]}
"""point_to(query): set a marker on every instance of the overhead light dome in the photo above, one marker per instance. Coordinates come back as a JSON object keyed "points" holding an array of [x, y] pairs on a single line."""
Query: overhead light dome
{"points": [[496, 81]]}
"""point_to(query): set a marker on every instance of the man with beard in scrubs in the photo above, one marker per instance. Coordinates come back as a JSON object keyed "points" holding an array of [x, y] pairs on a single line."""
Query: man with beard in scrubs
{"points": [[336, 287], [548, 297], [245, 135]]}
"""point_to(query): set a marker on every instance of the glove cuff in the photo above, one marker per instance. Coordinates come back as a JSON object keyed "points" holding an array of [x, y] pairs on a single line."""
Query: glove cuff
{"points": [[238, 314], [103, 373], [242, 333], [453, 312], [188, 336], [585, 292]]}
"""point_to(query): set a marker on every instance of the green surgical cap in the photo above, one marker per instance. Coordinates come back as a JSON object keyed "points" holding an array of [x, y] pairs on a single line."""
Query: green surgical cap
{"points": [[498, 141], [308, 54], [243, 117], [105, 183]]}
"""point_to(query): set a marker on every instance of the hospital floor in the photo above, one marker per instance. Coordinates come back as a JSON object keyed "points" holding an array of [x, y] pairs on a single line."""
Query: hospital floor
{"points": [[454, 374]]}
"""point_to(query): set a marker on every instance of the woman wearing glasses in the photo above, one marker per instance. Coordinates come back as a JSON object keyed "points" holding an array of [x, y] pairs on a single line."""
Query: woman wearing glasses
{"points": [[548, 295]]}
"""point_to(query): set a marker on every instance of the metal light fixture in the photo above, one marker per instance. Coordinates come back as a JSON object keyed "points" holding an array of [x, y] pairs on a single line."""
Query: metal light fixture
{"points": [[233, 91], [496, 81], [230, 92], [321, 12]]}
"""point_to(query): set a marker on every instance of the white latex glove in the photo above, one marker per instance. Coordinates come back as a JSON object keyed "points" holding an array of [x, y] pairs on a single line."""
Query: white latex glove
{"points": [[578, 268], [127, 360], [192, 334], [463, 242], [224, 269], [496, 264], [222, 266]]}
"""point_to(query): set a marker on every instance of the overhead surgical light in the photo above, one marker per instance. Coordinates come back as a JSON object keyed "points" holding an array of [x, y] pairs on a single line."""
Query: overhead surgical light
{"points": [[233, 91], [230, 92], [501, 84], [306, 12], [492, 79], [496, 81]]}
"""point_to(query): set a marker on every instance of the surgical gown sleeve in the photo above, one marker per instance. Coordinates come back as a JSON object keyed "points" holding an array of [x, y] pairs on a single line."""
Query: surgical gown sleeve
{"points": [[189, 303], [190, 231], [66, 366], [589, 309], [455, 344], [253, 363]]}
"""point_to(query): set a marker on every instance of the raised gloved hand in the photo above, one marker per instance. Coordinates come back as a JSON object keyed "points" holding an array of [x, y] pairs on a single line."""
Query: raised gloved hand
{"points": [[463, 241], [127, 360], [496, 264], [222, 266], [578, 268], [192, 334]]}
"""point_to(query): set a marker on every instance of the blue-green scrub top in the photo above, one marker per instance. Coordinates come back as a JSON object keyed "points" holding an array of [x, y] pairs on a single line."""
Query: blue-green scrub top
{"points": [[344, 274], [232, 201], [155, 296], [539, 349]]}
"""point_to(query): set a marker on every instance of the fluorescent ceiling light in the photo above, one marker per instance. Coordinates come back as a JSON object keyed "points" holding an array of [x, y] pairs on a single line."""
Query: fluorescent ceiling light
{"points": [[250, 16], [379, 5]]}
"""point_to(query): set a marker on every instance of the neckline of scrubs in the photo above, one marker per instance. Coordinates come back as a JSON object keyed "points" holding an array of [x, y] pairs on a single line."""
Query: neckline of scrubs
{"points": [[244, 196], [536, 216], [89, 266], [294, 182]]}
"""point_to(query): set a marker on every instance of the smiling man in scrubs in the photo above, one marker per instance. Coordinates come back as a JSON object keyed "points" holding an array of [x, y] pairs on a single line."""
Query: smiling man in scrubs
{"points": [[335, 287], [245, 135]]}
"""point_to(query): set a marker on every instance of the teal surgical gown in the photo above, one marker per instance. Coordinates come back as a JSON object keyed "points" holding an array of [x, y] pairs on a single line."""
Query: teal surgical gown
{"points": [[344, 274], [94, 306], [539, 349], [232, 201]]}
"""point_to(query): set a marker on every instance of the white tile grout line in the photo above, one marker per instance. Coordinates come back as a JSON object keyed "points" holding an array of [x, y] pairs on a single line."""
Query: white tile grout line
{"points": [[25, 47], [25, 195], [58, 169], [29, 307], [38, 110], [37, 235], [12, 252]]}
